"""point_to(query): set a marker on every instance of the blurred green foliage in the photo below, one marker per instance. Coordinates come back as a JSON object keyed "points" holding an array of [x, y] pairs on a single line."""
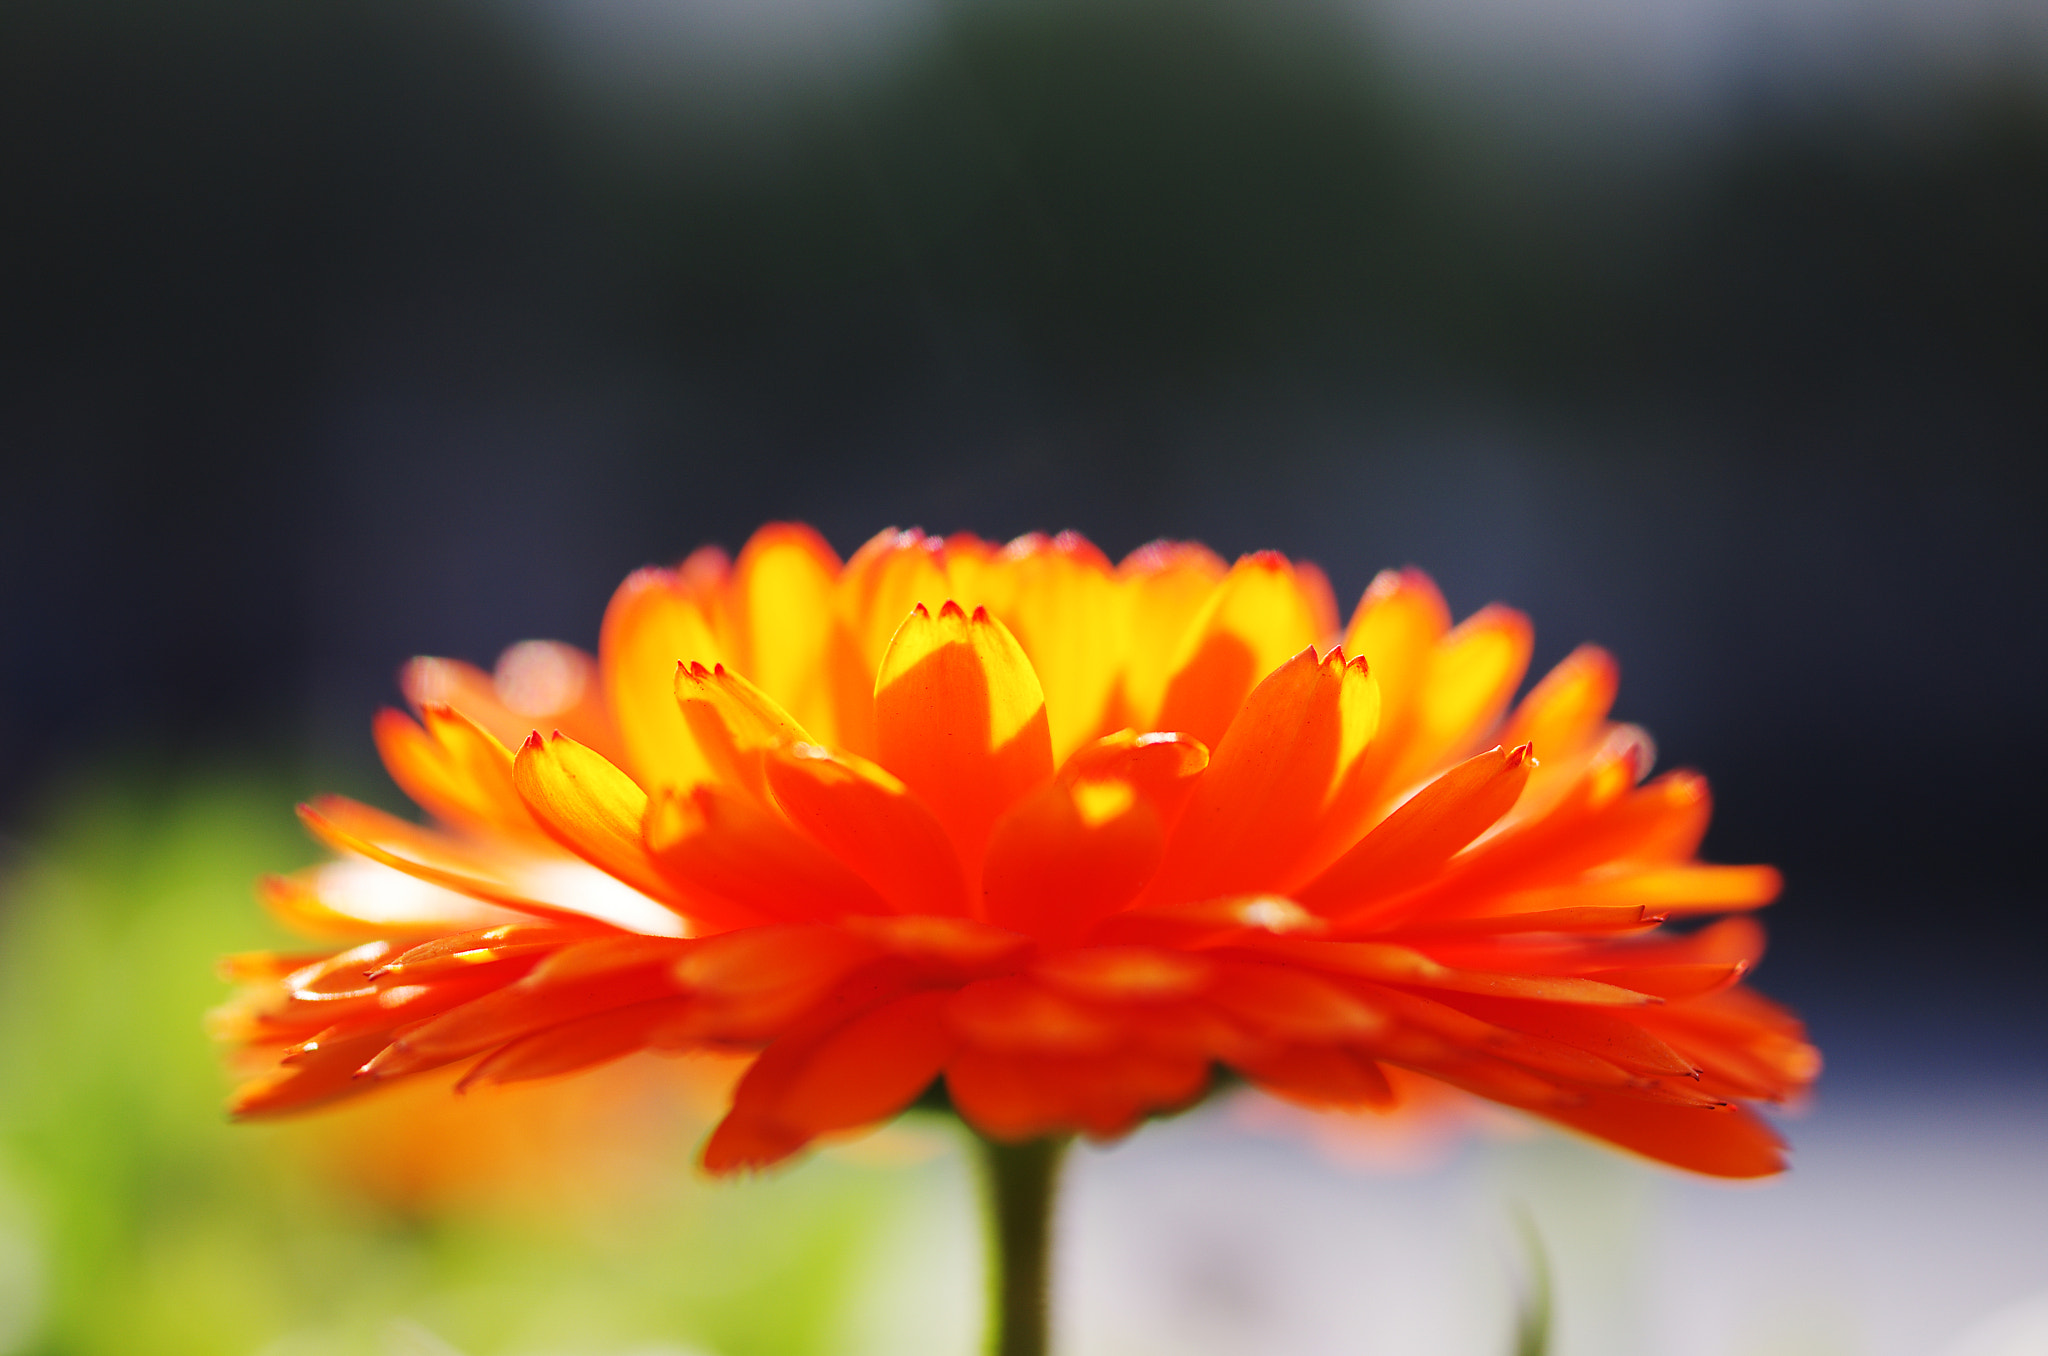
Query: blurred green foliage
{"points": [[135, 1221]]}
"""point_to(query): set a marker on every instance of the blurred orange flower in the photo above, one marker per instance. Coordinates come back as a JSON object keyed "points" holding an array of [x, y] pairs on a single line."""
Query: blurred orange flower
{"points": [[1063, 834]]}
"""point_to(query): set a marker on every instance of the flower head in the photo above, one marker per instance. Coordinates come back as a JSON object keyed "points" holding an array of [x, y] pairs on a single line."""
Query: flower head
{"points": [[1064, 835]]}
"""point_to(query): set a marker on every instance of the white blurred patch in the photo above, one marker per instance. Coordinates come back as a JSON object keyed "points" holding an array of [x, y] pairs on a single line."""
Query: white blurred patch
{"points": [[379, 894], [539, 678], [2018, 1330], [589, 891]]}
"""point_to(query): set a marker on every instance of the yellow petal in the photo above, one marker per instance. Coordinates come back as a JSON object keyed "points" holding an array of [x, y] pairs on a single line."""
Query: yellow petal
{"points": [[657, 620]]}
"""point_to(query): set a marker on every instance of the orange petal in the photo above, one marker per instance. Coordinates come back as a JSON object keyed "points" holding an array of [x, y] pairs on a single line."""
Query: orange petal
{"points": [[942, 949], [870, 821], [658, 619], [1611, 1036], [870, 1068], [462, 951], [883, 581], [1013, 1013], [1208, 923], [1593, 918], [1720, 1143], [1068, 855], [1292, 1004], [1252, 622], [1568, 708], [591, 808], [959, 716], [547, 685], [1385, 964], [1262, 803], [1325, 1077], [584, 978], [309, 1082], [1395, 629], [1673, 981], [1124, 974], [1413, 843], [1662, 891], [576, 1044], [1659, 822], [717, 844], [1014, 1097], [753, 985], [782, 587], [755, 1132], [1473, 672]]}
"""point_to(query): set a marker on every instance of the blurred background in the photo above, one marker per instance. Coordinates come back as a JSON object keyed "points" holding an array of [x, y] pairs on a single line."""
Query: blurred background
{"points": [[1715, 331]]}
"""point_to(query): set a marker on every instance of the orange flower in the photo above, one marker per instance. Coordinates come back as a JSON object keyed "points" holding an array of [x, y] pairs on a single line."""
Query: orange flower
{"points": [[1063, 834]]}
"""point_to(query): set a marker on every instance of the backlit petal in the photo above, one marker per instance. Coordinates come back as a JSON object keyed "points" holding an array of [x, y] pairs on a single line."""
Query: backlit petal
{"points": [[1166, 587], [1068, 612], [959, 716], [782, 586], [657, 620]]}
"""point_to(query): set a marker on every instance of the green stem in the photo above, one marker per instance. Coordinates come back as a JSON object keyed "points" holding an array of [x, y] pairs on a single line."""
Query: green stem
{"points": [[1021, 1180]]}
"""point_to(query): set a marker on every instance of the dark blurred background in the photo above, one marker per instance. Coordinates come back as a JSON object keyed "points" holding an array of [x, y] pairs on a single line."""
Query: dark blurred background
{"points": [[342, 330]]}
